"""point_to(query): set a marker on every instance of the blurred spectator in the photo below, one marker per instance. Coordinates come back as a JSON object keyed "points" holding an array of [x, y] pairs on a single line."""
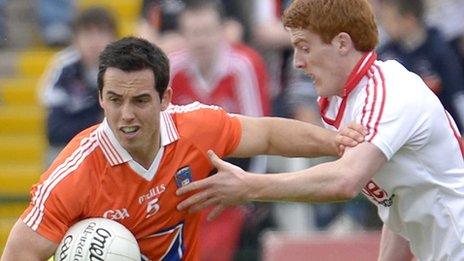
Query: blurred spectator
{"points": [[424, 51], [158, 23], [3, 30], [291, 90], [55, 18], [447, 16], [69, 86], [213, 70], [274, 42]]}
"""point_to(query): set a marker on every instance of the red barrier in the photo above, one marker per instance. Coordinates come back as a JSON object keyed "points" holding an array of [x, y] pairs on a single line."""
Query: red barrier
{"points": [[278, 246]]}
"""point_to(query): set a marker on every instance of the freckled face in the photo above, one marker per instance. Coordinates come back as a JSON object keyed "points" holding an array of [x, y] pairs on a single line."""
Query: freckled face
{"points": [[318, 60], [132, 107]]}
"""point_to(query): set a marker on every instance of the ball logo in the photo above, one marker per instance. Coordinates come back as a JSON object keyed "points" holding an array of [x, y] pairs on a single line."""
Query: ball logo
{"points": [[98, 239], [65, 247], [98, 244]]}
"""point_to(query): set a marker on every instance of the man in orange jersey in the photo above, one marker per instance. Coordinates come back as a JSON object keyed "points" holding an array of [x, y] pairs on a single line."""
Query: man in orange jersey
{"points": [[129, 167]]}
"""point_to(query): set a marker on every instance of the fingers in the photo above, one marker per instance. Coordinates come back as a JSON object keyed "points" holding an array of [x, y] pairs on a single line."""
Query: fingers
{"points": [[194, 199], [354, 135], [215, 160], [341, 150], [215, 212], [358, 128], [196, 185], [204, 204]]}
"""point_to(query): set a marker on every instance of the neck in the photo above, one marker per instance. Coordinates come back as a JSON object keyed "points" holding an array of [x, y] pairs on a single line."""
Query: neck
{"points": [[146, 155], [350, 63]]}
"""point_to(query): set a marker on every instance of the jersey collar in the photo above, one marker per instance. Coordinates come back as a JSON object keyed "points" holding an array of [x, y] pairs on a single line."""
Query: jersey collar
{"points": [[358, 72], [116, 154]]}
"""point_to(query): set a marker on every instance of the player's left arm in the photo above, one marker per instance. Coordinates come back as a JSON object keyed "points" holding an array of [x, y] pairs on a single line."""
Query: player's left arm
{"points": [[286, 137], [339, 180]]}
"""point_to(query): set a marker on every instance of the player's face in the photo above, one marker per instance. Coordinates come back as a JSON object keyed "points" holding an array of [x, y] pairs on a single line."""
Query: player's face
{"points": [[392, 21], [202, 30], [90, 42], [318, 60], [132, 107]]}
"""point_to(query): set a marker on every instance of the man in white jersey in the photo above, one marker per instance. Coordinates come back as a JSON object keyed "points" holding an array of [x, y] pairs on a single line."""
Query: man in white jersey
{"points": [[412, 163]]}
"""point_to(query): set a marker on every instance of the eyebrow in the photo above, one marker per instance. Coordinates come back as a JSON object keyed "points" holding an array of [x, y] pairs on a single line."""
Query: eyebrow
{"points": [[298, 41], [143, 95], [113, 93]]}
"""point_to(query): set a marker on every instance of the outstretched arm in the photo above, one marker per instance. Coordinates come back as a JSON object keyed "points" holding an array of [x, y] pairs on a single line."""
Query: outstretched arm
{"points": [[292, 138], [332, 181], [25, 244]]}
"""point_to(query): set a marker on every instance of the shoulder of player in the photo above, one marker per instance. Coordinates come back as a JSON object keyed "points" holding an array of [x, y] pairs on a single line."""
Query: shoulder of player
{"points": [[80, 157], [195, 117]]}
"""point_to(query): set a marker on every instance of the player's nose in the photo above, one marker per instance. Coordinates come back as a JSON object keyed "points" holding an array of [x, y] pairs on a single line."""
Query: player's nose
{"points": [[298, 62], [127, 112]]}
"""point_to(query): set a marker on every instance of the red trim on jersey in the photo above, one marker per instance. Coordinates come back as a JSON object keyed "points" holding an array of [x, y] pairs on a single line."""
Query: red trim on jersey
{"points": [[371, 115], [456, 135], [366, 101], [358, 72], [106, 149], [382, 104], [113, 150], [168, 129]]}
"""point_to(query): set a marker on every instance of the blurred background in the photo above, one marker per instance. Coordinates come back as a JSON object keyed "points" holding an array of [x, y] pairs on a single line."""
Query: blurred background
{"points": [[232, 53]]}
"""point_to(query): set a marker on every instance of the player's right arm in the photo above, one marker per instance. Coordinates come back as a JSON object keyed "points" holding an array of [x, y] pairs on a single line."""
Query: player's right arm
{"points": [[292, 138], [394, 247], [25, 244]]}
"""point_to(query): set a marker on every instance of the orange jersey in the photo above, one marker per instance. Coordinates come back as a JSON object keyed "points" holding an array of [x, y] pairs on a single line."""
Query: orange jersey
{"points": [[95, 177]]}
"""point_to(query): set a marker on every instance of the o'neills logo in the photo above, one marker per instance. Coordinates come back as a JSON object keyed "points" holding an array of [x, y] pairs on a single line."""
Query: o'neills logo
{"points": [[98, 244], [64, 250]]}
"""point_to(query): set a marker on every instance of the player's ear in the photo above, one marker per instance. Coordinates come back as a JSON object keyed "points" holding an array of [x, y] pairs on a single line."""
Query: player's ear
{"points": [[343, 43], [166, 99], [100, 98]]}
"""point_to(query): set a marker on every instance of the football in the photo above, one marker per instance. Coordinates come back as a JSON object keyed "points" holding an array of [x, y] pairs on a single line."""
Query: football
{"points": [[98, 239]]}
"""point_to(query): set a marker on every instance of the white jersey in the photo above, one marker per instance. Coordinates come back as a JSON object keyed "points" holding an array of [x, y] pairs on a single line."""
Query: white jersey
{"points": [[420, 190]]}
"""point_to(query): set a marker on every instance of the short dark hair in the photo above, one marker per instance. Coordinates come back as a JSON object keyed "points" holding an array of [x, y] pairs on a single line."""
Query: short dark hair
{"points": [[95, 17], [134, 54]]}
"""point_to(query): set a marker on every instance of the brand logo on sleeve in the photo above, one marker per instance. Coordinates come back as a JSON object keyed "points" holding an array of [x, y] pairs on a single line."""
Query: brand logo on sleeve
{"points": [[377, 195]]}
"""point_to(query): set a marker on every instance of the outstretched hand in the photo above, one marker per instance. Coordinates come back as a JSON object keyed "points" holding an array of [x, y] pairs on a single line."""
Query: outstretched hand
{"points": [[227, 187], [350, 136]]}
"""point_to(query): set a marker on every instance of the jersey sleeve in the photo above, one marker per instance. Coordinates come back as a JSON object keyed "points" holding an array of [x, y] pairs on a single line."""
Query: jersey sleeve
{"points": [[212, 128], [393, 120], [58, 199]]}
